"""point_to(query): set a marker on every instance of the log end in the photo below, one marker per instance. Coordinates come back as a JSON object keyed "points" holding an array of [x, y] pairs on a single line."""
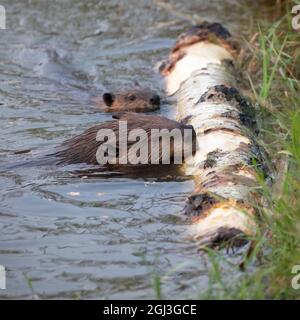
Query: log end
{"points": [[213, 33], [222, 237], [222, 223]]}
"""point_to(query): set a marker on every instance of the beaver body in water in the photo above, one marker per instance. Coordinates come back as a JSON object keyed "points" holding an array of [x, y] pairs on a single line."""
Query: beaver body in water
{"points": [[137, 99], [83, 147]]}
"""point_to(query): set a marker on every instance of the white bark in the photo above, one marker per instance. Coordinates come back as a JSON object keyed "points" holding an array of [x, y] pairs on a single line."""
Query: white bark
{"points": [[205, 87]]}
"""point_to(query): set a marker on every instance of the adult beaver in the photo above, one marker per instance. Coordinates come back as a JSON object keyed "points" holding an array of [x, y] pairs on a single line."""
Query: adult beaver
{"points": [[137, 99], [141, 133]]}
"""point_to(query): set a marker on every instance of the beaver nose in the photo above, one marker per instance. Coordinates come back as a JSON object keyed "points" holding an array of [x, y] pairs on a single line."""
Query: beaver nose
{"points": [[155, 100]]}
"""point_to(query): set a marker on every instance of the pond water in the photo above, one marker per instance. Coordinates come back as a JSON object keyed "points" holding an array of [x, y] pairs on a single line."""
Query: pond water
{"points": [[65, 235]]}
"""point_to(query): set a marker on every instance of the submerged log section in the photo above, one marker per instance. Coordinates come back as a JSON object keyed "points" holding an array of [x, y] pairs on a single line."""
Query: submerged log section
{"points": [[200, 71]]}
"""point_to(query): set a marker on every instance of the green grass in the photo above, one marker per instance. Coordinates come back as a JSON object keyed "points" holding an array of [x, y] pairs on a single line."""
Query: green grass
{"points": [[272, 64], [274, 78]]}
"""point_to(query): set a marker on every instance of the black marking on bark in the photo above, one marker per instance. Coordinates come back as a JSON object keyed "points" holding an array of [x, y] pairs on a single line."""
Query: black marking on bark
{"points": [[224, 237], [232, 114], [259, 158], [196, 204], [211, 158], [230, 95], [202, 30]]}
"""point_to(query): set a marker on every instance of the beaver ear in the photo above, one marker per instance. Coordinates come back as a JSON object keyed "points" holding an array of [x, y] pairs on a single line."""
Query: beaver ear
{"points": [[108, 98]]}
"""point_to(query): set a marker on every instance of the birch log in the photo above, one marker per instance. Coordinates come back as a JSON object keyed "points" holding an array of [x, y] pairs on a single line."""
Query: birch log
{"points": [[200, 71]]}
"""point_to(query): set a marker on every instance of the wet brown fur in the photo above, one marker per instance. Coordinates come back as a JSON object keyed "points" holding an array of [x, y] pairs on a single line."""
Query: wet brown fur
{"points": [[83, 148]]}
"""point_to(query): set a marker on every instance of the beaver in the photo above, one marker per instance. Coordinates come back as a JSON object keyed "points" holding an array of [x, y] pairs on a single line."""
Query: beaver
{"points": [[137, 99], [83, 147]]}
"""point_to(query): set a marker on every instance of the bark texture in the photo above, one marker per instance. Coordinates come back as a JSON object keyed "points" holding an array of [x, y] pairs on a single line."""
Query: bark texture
{"points": [[203, 78]]}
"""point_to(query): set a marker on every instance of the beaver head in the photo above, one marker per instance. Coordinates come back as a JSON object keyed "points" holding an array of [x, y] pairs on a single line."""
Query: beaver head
{"points": [[83, 148], [131, 100]]}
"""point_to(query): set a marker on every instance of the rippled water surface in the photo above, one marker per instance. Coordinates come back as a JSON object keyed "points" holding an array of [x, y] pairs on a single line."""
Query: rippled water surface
{"points": [[65, 235]]}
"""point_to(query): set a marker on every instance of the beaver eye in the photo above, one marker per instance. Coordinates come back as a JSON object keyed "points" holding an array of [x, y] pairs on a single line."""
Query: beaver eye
{"points": [[131, 97]]}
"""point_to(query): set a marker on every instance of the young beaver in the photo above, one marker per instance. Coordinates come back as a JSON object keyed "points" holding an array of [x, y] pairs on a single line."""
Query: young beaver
{"points": [[132, 100], [83, 148]]}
